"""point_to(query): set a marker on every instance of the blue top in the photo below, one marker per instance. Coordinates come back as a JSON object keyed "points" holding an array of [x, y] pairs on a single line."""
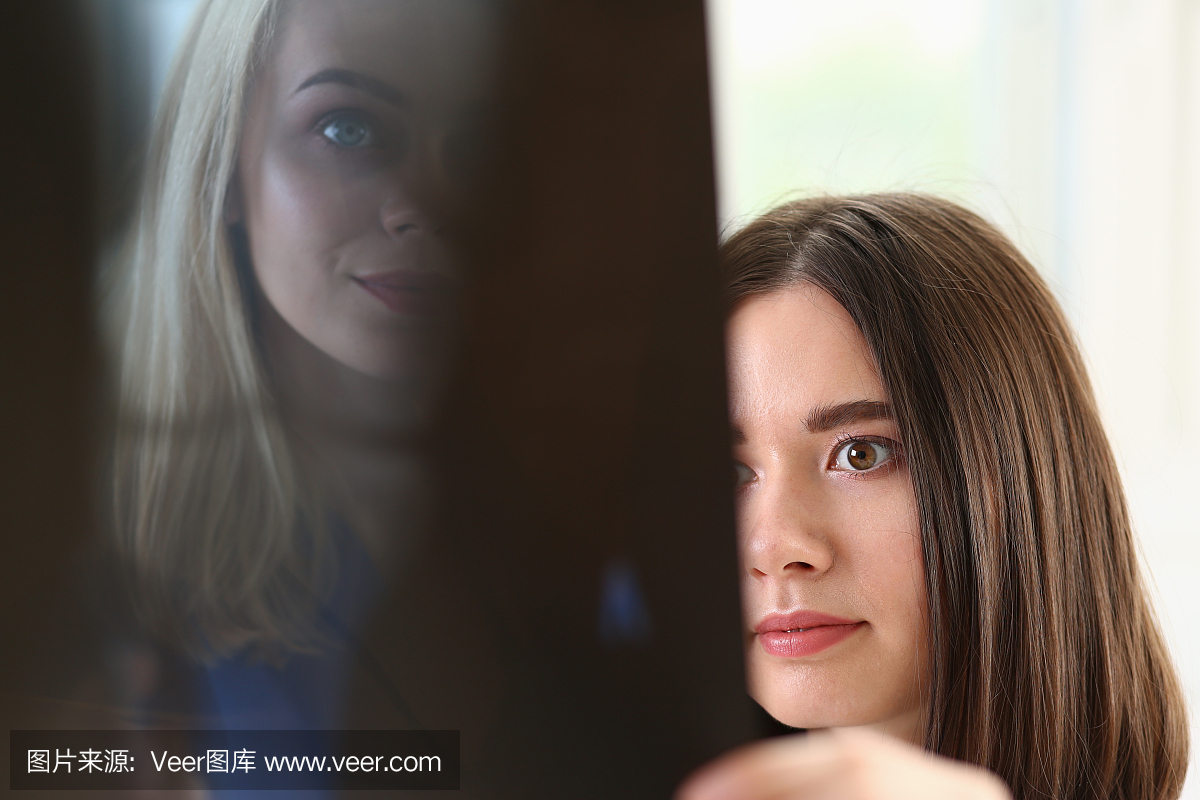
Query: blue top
{"points": [[308, 691]]}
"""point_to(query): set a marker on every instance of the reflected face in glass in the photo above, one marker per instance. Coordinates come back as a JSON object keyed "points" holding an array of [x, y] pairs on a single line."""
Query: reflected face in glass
{"points": [[344, 173], [833, 584]]}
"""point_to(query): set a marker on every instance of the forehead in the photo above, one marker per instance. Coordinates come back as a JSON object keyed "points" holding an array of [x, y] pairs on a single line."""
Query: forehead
{"points": [[429, 49], [795, 349]]}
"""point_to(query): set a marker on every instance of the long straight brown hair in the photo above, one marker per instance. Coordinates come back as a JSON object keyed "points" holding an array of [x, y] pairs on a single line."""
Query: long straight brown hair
{"points": [[1047, 663]]}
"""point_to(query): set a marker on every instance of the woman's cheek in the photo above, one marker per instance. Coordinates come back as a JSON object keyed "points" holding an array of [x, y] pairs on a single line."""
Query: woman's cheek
{"points": [[314, 202]]}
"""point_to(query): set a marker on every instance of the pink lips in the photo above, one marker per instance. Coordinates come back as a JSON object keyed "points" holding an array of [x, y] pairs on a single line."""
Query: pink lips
{"points": [[803, 633], [411, 292]]}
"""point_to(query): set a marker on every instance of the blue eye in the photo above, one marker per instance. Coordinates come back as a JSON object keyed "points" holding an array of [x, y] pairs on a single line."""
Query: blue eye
{"points": [[860, 455], [348, 132]]}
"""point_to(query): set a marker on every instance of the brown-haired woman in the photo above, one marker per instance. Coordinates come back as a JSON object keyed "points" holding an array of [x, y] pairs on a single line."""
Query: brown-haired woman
{"points": [[934, 540]]}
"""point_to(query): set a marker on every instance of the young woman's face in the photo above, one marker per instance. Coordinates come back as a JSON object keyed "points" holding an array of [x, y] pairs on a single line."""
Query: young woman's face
{"points": [[345, 167], [832, 577]]}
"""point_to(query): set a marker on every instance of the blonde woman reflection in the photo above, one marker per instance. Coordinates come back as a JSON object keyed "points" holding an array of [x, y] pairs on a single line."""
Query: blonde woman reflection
{"points": [[279, 317]]}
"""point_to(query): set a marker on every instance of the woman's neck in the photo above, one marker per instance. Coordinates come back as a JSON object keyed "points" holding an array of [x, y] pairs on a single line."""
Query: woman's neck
{"points": [[356, 435], [907, 727]]}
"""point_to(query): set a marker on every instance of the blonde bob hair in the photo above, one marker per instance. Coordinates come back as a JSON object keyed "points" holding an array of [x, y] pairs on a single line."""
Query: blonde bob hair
{"points": [[227, 543]]}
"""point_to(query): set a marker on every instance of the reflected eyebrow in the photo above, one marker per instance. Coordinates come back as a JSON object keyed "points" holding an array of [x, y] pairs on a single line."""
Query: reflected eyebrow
{"points": [[826, 418], [357, 80]]}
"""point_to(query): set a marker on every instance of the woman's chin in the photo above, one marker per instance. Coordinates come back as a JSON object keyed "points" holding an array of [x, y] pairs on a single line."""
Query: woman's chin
{"points": [[793, 712], [416, 373], [811, 712]]}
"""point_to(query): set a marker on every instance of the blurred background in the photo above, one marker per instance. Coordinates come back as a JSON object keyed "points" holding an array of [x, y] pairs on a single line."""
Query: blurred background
{"points": [[1073, 124]]}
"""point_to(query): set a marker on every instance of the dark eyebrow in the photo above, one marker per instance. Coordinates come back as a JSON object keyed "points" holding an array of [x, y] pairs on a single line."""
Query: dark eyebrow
{"points": [[827, 418], [357, 80]]}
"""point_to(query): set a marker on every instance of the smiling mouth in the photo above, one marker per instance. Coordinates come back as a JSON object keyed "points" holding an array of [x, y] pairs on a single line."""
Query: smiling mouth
{"points": [[801, 642], [800, 620], [803, 632], [409, 292]]}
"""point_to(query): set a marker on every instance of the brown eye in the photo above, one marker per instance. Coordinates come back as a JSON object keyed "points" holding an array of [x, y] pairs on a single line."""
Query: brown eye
{"points": [[861, 455]]}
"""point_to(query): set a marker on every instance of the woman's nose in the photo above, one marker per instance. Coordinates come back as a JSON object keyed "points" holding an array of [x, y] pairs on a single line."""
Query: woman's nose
{"points": [[403, 218], [783, 535], [418, 195]]}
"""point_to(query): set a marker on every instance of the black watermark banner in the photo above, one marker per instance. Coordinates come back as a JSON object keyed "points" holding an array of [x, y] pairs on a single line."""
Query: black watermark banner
{"points": [[172, 759]]}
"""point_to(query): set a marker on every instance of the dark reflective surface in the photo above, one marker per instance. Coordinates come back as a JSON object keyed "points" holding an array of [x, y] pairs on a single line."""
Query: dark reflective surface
{"points": [[415, 404]]}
